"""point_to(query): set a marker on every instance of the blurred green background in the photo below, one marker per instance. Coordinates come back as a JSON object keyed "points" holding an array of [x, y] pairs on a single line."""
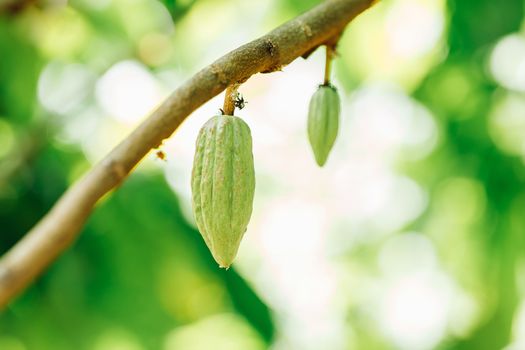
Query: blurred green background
{"points": [[411, 237]]}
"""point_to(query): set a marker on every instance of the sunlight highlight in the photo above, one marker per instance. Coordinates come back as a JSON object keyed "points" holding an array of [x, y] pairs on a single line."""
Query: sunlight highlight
{"points": [[128, 92], [507, 62]]}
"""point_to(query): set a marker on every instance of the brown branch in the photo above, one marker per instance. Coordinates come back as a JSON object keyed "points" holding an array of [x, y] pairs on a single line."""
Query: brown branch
{"points": [[58, 228], [14, 7]]}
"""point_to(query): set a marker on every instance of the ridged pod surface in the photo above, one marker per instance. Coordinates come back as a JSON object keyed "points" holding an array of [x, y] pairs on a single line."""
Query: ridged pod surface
{"points": [[323, 121], [223, 185]]}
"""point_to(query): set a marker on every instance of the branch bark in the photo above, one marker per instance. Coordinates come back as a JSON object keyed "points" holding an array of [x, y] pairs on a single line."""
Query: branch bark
{"points": [[58, 228]]}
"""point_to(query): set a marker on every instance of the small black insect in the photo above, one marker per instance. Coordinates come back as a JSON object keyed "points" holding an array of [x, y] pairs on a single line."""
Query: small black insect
{"points": [[240, 102]]}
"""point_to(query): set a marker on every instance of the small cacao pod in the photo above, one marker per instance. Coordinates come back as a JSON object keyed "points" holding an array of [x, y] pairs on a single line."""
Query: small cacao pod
{"points": [[223, 185], [323, 121]]}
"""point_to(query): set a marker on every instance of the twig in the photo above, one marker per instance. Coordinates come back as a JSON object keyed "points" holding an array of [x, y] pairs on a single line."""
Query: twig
{"points": [[58, 228], [330, 53]]}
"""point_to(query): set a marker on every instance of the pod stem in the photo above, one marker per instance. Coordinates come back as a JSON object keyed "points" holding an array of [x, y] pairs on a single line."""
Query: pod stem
{"points": [[229, 99], [328, 64]]}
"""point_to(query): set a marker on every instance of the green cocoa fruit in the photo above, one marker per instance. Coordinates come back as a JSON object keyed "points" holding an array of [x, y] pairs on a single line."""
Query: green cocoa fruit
{"points": [[223, 185], [323, 121]]}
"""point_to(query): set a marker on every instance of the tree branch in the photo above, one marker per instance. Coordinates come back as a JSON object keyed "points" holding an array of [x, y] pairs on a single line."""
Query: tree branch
{"points": [[58, 228]]}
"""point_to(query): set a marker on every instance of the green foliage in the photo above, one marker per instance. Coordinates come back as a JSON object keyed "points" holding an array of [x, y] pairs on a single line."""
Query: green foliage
{"points": [[477, 23], [141, 277], [178, 8]]}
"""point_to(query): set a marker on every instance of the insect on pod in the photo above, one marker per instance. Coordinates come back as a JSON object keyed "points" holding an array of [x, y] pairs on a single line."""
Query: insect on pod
{"points": [[323, 121], [223, 185]]}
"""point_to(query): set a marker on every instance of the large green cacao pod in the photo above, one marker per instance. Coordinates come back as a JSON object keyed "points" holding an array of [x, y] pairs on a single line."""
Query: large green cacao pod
{"points": [[223, 185], [323, 121]]}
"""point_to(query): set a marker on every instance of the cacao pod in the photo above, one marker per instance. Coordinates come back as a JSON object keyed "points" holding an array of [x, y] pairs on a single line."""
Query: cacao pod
{"points": [[323, 121], [223, 185]]}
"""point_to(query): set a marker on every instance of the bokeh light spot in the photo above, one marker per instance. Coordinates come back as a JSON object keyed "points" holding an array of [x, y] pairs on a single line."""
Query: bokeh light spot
{"points": [[155, 48], [413, 28], [63, 87], [507, 62], [507, 123], [220, 332], [128, 91], [117, 339]]}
